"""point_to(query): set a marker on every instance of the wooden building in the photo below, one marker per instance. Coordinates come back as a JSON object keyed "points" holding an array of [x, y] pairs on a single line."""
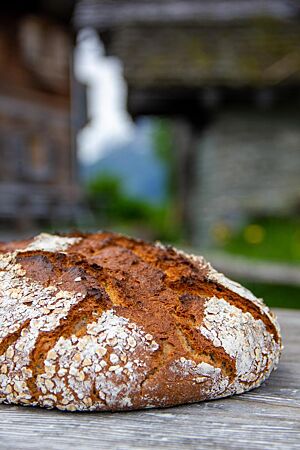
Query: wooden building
{"points": [[228, 74], [38, 174]]}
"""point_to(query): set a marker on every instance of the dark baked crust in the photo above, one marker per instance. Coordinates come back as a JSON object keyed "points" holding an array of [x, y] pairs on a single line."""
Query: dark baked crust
{"points": [[103, 321]]}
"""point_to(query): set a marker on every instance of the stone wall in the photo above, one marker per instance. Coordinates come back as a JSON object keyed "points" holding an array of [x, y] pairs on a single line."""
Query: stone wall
{"points": [[247, 164]]}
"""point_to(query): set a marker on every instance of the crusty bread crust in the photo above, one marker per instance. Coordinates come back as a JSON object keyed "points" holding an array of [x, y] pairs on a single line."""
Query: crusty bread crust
{"points": [[105, 322]]}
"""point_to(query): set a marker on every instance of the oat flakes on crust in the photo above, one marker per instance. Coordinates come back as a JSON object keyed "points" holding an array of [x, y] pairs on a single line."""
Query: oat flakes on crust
{"points": [[106, 322]]}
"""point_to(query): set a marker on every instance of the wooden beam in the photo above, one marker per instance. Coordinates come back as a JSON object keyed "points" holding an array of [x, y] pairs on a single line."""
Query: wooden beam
{"points": [[103, 14]]}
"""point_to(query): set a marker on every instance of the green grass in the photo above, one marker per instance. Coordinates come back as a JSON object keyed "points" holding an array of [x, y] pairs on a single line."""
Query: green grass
{"points": [[272, 239], [276, 296], [113, 209]]}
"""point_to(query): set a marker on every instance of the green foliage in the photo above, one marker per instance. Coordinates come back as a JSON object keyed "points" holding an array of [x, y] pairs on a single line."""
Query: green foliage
{"points": [[163, 147], [269, 238], [113, 207], [163, 140], [276, 296], [106, 198]]}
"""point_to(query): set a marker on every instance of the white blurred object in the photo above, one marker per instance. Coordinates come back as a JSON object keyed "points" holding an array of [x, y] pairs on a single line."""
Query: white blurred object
{"points": [[109, 122]]}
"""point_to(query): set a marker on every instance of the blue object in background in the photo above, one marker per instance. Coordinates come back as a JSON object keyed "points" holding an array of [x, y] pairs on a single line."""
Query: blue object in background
{"points": [[142, 174]]}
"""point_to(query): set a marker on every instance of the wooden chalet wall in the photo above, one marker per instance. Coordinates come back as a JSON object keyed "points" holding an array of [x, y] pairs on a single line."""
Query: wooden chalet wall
{"points": [[37, 158]]}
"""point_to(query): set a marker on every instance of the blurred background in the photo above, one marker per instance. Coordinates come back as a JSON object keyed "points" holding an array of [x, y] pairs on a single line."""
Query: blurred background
{"points": [[171, 120]]}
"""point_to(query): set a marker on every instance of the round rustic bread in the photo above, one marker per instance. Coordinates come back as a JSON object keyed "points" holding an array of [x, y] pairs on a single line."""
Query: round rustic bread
{"points": [[105, 322]]}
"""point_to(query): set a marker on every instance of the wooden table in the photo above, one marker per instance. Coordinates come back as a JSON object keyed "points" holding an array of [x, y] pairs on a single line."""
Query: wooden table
{"points": [[266, 418]]}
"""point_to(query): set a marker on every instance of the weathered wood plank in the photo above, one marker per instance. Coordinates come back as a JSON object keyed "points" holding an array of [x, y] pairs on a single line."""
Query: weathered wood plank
{"points": [[259, 271], [266, 418]]}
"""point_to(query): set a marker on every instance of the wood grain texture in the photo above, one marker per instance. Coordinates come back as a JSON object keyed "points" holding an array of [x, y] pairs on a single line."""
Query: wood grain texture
{"points": [[266, 418], [241, 268]]}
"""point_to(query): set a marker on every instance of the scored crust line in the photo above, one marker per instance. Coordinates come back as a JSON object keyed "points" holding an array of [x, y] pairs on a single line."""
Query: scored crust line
{"points": [[106, 360]]}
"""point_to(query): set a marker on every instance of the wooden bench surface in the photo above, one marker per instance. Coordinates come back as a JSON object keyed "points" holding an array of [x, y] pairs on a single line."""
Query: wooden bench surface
{"points": [[266, 418]]}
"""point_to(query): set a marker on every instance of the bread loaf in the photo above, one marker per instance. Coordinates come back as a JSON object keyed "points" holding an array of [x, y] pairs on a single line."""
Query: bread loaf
{"points": [[105, 322]]}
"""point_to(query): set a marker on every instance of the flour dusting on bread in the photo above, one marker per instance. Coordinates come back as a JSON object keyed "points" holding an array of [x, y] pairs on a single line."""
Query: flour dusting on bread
{"points": [[51, 243], [112, 356], [105, 322], [242, 337]]}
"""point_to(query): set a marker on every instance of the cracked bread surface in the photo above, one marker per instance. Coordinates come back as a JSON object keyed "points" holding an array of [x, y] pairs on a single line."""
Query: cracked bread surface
{"points": [[105, 322]]}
